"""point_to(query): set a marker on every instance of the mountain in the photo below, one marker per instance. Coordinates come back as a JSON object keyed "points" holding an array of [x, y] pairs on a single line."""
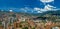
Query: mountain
{"points": [[57, 12], [52, 12]]}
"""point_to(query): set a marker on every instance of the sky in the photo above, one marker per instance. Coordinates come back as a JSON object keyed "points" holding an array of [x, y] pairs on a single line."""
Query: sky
{"points": [[26, 3], [23, 3]]}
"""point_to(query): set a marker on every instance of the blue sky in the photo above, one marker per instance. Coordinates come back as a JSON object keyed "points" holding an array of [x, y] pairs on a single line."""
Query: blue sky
{"points": [[25, 3]]}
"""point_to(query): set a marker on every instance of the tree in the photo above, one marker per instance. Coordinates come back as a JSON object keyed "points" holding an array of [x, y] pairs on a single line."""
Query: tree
{"points": [[25, 28]]}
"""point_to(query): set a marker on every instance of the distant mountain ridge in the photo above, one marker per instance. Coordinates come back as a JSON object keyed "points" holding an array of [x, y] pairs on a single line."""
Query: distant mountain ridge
{"points": [[53, 12], [57, 12]]}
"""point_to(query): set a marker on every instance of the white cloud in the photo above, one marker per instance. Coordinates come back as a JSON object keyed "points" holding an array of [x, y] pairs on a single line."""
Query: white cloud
{"points": [[49, 7], [39, 12], [46, 8], [46, 1], [27, 9], [10, 10], [37, 9], [23, 9]]}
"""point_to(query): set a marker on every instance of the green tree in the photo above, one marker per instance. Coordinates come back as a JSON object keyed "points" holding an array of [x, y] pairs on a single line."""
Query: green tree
{"points": [[25, 28]]}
